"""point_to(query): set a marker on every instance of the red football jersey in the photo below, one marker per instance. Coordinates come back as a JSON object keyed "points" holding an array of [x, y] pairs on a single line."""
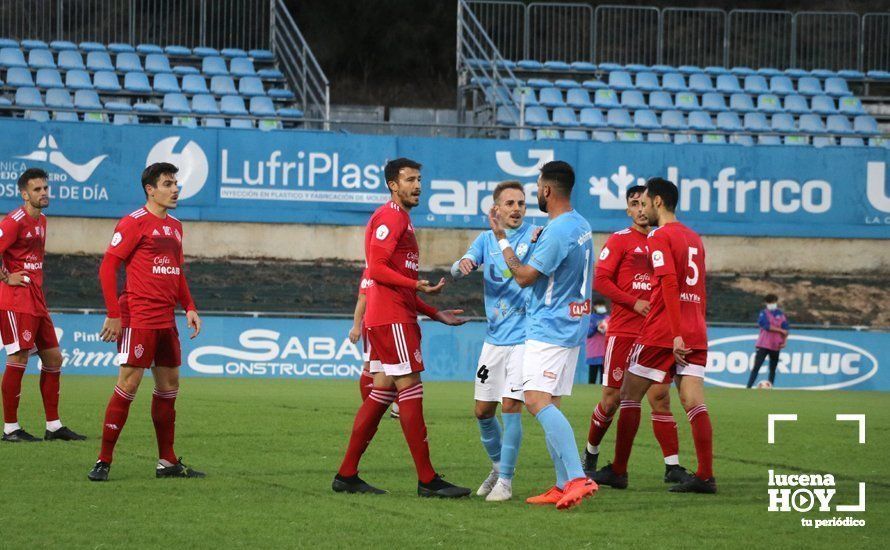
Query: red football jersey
{"points": [[674, 248], [390, 228], [365, 283], [625, 261], [22, 242], [151, 249]]}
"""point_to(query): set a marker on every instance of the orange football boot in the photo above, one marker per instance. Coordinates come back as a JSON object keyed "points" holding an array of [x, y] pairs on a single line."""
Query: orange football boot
{"points": [[576, 490], [552, 496]]}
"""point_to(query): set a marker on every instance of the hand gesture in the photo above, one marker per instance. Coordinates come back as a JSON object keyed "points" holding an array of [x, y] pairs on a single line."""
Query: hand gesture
{"points": [[450, 317], [467, 266], [495, 223], [111, 329], [194, 323], [424, 286], [19, 278]]}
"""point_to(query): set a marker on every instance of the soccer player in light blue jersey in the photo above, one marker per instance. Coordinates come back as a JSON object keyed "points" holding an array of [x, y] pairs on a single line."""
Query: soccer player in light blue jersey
{"points": [[499, 371], [558, 270]]}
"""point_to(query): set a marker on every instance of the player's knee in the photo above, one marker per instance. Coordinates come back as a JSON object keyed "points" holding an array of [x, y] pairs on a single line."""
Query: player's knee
{"points": [[129, 386], [484, 410], [660, 401], [609, 403]]}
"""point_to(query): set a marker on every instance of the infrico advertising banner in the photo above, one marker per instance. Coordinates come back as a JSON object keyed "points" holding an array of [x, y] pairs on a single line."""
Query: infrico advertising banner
{"points": [[333, 178], [247, 347]]}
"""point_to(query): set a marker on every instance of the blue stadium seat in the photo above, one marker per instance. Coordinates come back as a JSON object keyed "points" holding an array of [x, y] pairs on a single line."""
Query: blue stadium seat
{"points": [[30, 44], [689, 69], [606, 98], [280, 93], [28, 97], [879, 142], [267, 124], [682, 139], [700, 120], [529, 65], [713, 102], [555, 65], [755, 122], [662, 69], [262, 55], [811, 124], [12, 57], [106, 81], [127, 62], [850, 105], [635, 67], [118, 106], [729, 122], [673, 82], [742, 139], [8, 43], [809, 86], [592, 118], [864, 124], [4, 102], [18, 77], [658, 137], [270, 73], [755, 84], [149, 49], [742, 71], [594, 84], [579, 135], [204, 51], [647, 81], [603, 136], [481, 81], [65, 116], [498, 96], [701, 83], [215, 122], [39, 116], [660, 101], [715, 70], [567, 84], [840, 124], [796, 140], [673, 120], [241, 123], [194, 84], [539, 83], [157, 63], [214, 66], [632, 100], [176, 50], [578, 98], [851, 74], [769, 103], [823, 141], [222, 85], [741, 102], [769, 140], [521, 134], [251, 86], [728, 84], [525, 96], [878, 75], [58, 98], [242, 66], [176, 103], [781, 85], [551, 97], [823, 105], [583, 67], [70, 60], [78, 80], [204, 104], [629, 135], [836, 87], [262, 106], [146, 108], [768, 71], [796, 104], [49, 78], [646, 120], [232, 52], [99, 61], [101, 118], [686, 101], [125, 118], [796, 73], [290, 113], [119, 47], [564, 117], [782, 122], [507, 115], [185, 69], [86, 100], [852, 142], [137, 82], [187, 121], [713, 139], [619, 118], [823, 73], [620, 80], [232, 105], [91, 47], [166, 83], [536, 116], [41, 59]]}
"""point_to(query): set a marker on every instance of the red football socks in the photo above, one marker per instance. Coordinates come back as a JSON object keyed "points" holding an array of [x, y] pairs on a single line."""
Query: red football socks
{"points": [[49, 389], [364, 427], [11, 388], [702, 435], [414, 428], [599, 425], [115, 418], [665, 428], [163, 416], [628, 424], [365, 384]]}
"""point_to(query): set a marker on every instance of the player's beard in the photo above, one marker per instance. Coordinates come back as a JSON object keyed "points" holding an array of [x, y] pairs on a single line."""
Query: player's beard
{"points": [[542, 204]]}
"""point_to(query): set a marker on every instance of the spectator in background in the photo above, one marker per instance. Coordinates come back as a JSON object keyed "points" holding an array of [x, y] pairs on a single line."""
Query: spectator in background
{"points": [[773, 336], [596, 340]]}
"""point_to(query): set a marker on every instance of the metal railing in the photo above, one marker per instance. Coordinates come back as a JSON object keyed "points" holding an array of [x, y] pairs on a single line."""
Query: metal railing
{"points": [[559, 31], [627, 34], [693, 37], [875, 41], [504, 23], [826, 40]]}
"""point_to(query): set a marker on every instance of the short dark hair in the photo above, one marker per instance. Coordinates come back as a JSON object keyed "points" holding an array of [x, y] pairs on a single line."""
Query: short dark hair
{"points": [[633, 190], [660, 187], [31, 174], [770, 298], [153, 172], [561, 173], [504, 185], [393, 167]]}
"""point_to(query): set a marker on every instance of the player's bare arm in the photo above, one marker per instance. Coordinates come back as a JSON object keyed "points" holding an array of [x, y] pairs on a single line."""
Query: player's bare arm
{"points": [[524, 275], [451, 317], [356, 331]]}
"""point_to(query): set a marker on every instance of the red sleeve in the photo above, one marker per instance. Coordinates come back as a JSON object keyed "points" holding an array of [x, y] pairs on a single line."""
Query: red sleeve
{"points": [[425, 309], [671, 292], [126, 236], [388, 229], [363, 284], [660, 253], [185, 297], [604, 284], [9, 232], [108, 282]]}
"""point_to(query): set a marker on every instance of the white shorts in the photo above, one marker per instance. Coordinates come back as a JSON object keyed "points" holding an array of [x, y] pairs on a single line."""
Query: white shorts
{"points": [[499, 373], [549, 368]]}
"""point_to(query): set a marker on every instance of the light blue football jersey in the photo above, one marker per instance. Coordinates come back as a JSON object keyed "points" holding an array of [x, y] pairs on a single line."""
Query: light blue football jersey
{"points": [[505, 301], [559, 308]]}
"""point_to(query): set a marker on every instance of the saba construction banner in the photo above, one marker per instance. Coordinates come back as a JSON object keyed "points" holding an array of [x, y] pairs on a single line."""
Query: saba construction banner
{"points": [[267, 347], [336, 178]]}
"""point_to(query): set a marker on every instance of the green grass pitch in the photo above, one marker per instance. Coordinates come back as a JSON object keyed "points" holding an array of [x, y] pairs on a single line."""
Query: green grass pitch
{"points": [[271, 447]]}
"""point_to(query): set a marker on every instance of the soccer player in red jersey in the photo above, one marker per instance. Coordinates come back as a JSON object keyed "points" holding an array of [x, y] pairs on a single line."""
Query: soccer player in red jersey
{"points": [[366, 380], [394, 336], [25, 324], [624, 275], [149, 243], [673, 341]]}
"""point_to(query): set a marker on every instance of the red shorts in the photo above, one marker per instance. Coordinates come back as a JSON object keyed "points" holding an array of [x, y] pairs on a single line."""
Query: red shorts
{"points": [[149, 347], [658, 363], [617, 360], [23, 332], [366, 345], [395, 349]]}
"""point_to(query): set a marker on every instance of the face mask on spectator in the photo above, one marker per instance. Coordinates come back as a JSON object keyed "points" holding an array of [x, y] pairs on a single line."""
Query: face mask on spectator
{"points": [[600, 309], [772, 307]]}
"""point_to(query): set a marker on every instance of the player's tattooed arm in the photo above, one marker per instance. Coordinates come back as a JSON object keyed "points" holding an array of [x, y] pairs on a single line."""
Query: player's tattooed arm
{"points": [[524, 275]]}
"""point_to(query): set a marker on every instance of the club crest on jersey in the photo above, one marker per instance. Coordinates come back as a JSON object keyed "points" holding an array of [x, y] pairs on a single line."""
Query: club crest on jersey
{"points": [[604, 254], [521, 250], [167, 231], [418, 357], [657, 259], [178, 235], [116, 238], [617, 374], [381, 233], [138, 351], [579, 309], [27, 335]]}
